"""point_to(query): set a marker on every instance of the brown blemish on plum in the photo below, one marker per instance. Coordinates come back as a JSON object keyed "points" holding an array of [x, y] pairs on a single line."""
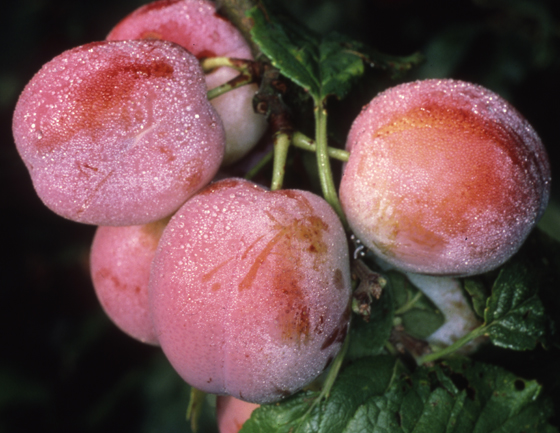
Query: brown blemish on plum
{"points": [[157, 5], [250, 247], [308, 230], [339, 333], [94, 192], [221, 185], [88, 169], [106, 274], [293, 313], [204, 53], [338, 280], [209, 275], [151, 34], [168, 153], [282, 392], [305, 232], [319, 326], [191, 176], [150, 233], [249, 278], [293, 316]]}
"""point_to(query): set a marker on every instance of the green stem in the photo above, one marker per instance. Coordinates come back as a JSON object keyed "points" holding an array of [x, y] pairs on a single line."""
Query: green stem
{"points": [[323, 162], [211, 63], [330, 379], [239, 81], [409, 304], [196, 402], [335, 368], [475, 333], [281, 145], [260, 165], [302, 141]]}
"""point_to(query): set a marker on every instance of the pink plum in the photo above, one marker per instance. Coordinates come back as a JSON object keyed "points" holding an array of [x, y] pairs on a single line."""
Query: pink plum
{"points": [[196, 26], [118, 133], [121, 258], [444, 177], [232, 413], [250, 290]]}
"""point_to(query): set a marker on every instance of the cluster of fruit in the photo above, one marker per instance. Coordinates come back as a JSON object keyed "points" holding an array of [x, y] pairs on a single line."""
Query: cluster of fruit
{"points": [[247, 291]]}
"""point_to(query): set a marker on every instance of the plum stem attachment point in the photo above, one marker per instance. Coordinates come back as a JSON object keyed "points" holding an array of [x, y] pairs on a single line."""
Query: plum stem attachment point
{"points": [[370, 288]]}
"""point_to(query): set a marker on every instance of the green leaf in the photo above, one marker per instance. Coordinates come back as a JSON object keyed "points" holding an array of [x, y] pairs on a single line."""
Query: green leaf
{"points": [[322, 65], [475, 288], [376, 395], [396, 66], [355, 384], [419, 316], [368, 338], [514, 315], [457, 396]]}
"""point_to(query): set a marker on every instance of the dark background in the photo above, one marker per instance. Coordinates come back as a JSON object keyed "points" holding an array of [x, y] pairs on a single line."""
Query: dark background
{"points": [[63, 366]]}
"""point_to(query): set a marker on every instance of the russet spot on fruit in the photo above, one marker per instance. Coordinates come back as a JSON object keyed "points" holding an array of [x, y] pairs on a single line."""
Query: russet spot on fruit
{"points": [[444, 177], [250, 289]]}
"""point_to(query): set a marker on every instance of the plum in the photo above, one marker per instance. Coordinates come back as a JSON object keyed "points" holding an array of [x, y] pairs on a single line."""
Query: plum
{"points": [[444, 178], [196, 26], [118, 133], [121, 258], [250, 290], [232, 413]]}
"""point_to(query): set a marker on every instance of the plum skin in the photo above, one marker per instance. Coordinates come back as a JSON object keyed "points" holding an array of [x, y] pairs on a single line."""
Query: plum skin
{"points": [[120, 263], [231, 413], [196, 26], [250, 289], [444, 178], [118, 133]]}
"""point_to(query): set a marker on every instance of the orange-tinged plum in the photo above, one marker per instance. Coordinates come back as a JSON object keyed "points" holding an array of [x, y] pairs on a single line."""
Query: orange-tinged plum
{"points": [[196, 26], [250, 289], [118, 133], [120, 261], [444, 177], [232, 413]]}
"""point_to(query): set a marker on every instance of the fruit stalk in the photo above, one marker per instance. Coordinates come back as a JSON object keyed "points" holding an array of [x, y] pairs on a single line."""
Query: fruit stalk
{"points": [[323, 162]]}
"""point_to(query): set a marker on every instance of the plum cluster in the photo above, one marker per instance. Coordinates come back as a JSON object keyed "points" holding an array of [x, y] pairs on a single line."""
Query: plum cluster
{"points": [[246, 290]]}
